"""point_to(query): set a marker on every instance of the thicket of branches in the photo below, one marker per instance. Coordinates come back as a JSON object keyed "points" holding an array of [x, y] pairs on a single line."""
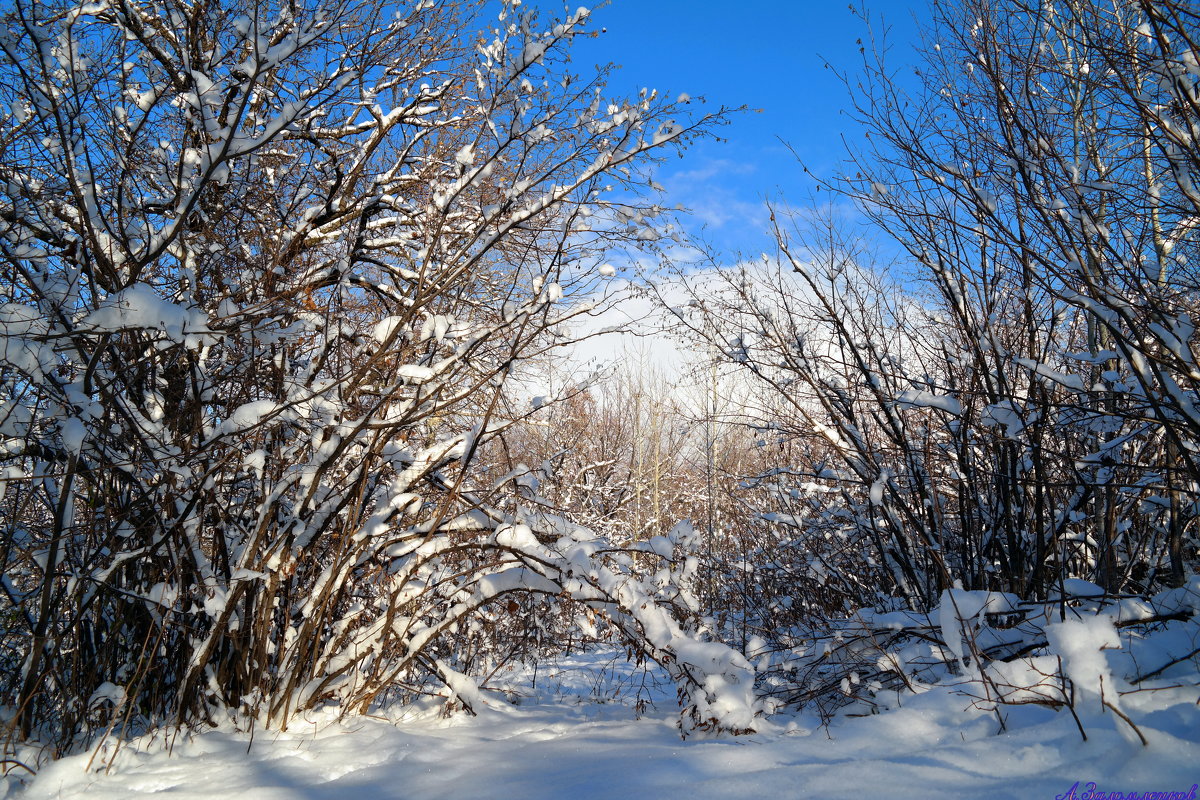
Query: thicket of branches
{"points": [[266, 269], [271, 277], [1019, 407], [1009, 405]]}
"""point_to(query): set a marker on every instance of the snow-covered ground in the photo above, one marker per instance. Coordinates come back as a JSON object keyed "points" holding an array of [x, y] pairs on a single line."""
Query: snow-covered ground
{"points": [[559, 742]]}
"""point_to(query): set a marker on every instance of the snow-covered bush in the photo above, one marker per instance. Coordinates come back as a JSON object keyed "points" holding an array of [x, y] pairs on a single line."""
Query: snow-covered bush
{"points": [[265, 269], [1002, 400], [1008, 399], [1080, 653]]}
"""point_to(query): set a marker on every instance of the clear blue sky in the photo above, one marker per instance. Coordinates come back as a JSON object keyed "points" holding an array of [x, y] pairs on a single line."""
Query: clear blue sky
{"points": [[765, 54]]}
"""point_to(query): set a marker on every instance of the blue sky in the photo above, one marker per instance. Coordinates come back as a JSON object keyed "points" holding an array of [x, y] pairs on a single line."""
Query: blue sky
{"points": [[766, 54]]}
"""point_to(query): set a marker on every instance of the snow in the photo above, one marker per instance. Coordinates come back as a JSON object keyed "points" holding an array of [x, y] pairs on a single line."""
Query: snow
{"points": [[107, 692], [248, 415], [557, 742], [959, 607], [922, 399], [1005, 414], [1077, 587], [415, 373], [1051, 375], [140, 307], [73, 434], [1080, 643], [383, 330]]}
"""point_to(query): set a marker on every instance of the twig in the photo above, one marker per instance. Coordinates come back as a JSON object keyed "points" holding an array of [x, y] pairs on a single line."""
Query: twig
{"points": [[1127, 720], [1165, 667]]}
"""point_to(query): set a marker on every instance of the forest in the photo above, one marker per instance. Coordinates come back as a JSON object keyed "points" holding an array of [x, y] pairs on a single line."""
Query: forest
{"points": [[278, 281]]}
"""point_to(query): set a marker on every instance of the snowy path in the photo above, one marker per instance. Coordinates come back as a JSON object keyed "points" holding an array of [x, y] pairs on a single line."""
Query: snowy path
{"points": [[568, 749]]}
